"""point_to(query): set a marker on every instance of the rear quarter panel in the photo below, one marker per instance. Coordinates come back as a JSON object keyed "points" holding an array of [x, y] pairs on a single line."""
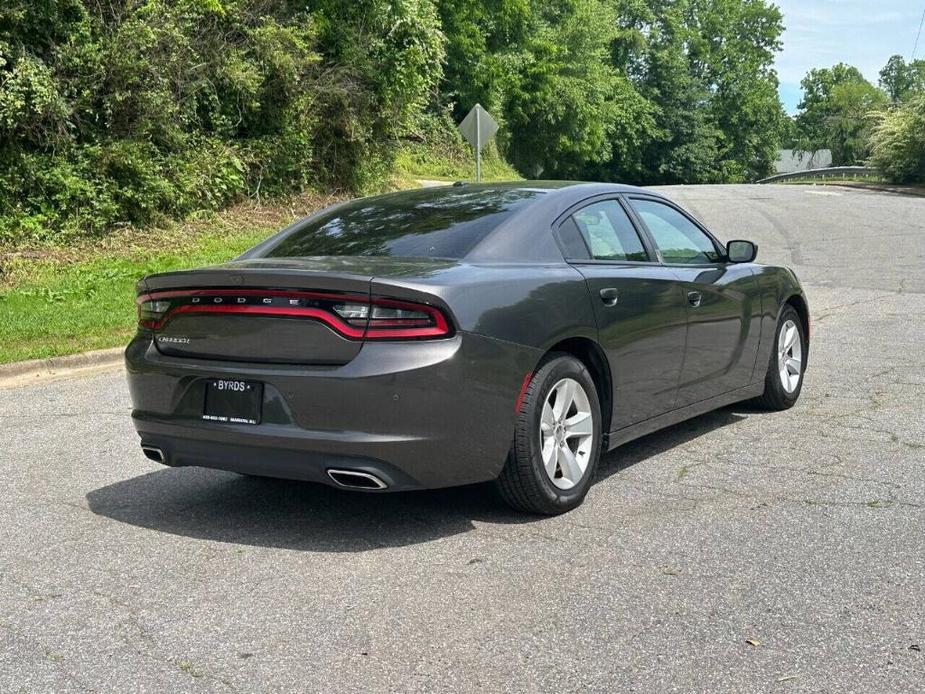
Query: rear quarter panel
{"points": [[533, 305]]}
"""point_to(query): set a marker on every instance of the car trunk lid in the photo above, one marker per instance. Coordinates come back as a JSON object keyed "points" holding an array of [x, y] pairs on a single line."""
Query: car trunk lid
{"points": [[287, 310]]}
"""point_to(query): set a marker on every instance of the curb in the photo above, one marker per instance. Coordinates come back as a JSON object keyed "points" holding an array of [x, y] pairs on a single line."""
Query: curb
{"points": [[881, 188], [432, 183], [57, 366]]}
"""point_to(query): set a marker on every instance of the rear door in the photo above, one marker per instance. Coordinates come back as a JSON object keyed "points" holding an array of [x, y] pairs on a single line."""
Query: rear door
{"points": [[638, 305], [721, 299]]}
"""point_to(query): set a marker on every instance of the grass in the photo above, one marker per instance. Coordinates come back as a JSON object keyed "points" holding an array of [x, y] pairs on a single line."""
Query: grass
{"points": [[833, 179], [57, 300], [862, 182], [451, 162], [860, 179]]}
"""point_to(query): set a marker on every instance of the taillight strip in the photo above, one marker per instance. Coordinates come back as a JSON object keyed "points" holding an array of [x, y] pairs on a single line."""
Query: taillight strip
{"points": [[295, 311], [293, 294], [374, 329]]}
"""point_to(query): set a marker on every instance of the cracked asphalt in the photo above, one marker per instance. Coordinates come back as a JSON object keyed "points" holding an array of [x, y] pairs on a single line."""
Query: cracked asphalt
{"points": [[739, 551]]}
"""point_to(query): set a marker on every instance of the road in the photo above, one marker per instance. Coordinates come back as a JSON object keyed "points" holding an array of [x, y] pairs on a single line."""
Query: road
{"points": [[740, 551]]}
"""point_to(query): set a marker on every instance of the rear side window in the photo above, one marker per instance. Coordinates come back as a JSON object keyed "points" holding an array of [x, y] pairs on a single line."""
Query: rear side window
{"points": [[677, 237], [609, 233], [427, 223], [572, 243]]}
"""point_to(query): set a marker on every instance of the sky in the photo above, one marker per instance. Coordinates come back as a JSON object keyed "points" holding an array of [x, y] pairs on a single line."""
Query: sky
{"points": [[863, 33]]}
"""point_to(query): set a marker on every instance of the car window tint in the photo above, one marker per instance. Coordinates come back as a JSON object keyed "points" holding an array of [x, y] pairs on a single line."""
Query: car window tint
{"points": [[572, 242], [609, 233], [677, 237], [431, 223]]}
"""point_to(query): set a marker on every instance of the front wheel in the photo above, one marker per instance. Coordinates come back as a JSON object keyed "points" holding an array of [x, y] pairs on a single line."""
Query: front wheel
{"points": [[784, 379], [557, 440]]}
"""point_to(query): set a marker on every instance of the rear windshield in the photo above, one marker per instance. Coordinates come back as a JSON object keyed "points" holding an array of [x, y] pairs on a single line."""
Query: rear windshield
{"points": [[435, 223]]}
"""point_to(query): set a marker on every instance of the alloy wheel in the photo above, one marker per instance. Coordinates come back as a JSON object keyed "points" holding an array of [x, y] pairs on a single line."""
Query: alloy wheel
{"points": [[790, 356], [566, 433]]}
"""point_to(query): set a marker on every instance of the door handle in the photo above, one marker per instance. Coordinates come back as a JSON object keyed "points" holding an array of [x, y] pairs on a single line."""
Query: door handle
{"points": [[610, 296], [694, 298]]}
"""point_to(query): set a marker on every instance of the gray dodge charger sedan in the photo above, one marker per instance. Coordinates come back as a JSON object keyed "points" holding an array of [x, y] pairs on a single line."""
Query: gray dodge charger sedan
{"points": [[453, 335]]}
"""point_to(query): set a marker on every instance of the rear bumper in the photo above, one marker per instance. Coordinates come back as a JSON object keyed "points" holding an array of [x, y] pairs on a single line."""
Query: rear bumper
{"points": [[416, 415], [270, 461]]}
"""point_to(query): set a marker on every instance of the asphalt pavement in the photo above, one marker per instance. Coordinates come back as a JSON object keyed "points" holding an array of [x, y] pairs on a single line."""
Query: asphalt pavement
{"points": [[741, 551]]}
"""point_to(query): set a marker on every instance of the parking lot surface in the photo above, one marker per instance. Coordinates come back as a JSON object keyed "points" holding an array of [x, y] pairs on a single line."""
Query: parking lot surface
{"points": [[739, 551]]}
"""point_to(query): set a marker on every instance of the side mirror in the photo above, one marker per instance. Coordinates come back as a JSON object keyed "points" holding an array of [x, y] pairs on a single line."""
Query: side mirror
{"points": [[741, 251]]}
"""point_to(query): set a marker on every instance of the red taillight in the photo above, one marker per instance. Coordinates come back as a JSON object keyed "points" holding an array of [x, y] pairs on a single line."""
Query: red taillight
{"points": [[151, 311], [403, 320], [354, 316]]}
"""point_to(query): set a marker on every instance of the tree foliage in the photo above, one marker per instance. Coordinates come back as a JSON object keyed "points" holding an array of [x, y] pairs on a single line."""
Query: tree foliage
{"points": [[901, 80], [836, 113], [660, 91], [125, 111], [128, 110], [898, 141], [569, 106], [707, 65]]}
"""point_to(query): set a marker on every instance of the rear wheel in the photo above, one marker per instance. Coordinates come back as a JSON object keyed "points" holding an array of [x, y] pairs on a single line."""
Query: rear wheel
{"points": [[784, 379], [557, 440]]}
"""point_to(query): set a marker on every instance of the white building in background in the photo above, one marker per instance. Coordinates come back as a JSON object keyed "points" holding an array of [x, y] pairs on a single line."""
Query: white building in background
{"points": [[790, 160]]}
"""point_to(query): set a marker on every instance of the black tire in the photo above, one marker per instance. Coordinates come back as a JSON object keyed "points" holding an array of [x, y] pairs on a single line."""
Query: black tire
{"points": [[775, 397], [523, 483]]}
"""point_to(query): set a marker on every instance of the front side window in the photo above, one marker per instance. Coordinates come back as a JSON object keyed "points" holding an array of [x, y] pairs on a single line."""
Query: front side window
{"points": [[609, 233], [678, 239]]}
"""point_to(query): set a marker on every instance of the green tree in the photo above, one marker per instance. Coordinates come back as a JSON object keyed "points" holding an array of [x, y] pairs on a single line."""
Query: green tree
{"points": [[707, 70], [835, 110], [385, 58], [789, 133], [898, 141], [544, 70], [566, 106], [486, 40], [120, 112], [733, 55], [849, 123], [900, 79]]}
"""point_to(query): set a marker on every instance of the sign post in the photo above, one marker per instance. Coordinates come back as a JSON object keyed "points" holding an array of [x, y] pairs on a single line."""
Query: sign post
{"points": [[478, 127]]}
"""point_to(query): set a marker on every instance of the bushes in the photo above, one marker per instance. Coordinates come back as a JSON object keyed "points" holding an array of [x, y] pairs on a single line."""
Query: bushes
{"points": [[434, 148], [93, 187], [384, 62], [844, 112], [898, 142], [124, 112]]}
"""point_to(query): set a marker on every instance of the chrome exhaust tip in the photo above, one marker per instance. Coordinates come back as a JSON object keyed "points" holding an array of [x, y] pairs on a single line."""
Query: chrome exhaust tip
{"points": [[153, 453], [354, 479]]}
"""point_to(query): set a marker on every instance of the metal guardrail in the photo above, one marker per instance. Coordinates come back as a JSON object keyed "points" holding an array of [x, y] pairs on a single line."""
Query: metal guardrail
{"points": [[822, 174]]}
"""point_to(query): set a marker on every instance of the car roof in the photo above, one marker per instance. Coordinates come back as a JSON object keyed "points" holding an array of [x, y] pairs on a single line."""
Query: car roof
{"points": [[559, 188], [524, 236], [555, 194]]}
